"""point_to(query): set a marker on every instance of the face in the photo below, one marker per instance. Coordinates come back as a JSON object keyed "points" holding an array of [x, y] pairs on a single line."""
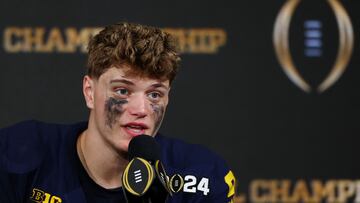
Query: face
{"points": [[124, 106]]}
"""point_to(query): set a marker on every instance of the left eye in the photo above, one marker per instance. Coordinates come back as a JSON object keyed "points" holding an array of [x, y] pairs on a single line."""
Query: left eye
{"points": [[154, 95]]}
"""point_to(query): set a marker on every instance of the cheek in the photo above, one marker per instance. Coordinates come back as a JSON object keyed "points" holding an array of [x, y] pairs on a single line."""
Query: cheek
{"points": [[158, 111], [99, 100], [113, 110], [99, 109]]}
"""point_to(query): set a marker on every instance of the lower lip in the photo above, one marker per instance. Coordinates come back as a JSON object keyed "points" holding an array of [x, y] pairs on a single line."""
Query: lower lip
{"points": [[134, 134]]}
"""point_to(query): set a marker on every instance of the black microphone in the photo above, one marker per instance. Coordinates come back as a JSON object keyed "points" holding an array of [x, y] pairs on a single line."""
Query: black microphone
{"points": [[144, 179]]}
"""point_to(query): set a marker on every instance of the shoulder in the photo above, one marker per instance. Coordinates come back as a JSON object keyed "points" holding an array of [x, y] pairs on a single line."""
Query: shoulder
{"points": [[24, 145], [205, 174], [182, 154]]}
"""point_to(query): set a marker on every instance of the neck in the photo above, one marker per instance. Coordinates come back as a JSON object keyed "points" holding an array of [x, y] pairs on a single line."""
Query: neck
{"points": [[103, 164]]}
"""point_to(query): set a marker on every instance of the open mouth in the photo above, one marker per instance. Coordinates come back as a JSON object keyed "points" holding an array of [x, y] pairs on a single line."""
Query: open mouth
{"points": [[135, 128]]}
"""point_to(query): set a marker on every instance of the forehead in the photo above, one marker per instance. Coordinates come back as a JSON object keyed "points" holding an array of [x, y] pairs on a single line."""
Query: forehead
{"points": [[125, 72]]}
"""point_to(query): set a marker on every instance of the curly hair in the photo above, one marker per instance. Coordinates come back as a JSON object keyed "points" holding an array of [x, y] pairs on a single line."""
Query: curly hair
{"points": [[148, 50]]}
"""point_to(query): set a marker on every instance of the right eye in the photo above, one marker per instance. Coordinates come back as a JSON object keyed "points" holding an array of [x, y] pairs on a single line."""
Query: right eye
{"points": [[122, 92]]}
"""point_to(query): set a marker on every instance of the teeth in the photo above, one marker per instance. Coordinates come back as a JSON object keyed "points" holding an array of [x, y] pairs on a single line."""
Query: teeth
{"points": [[136, 130]]}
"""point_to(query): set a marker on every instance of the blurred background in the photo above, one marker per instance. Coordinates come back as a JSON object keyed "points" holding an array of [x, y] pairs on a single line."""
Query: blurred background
{"points": [[251, 85]]}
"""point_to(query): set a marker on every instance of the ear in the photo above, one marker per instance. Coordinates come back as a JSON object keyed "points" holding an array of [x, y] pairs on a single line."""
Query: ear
{"points": [[88, 91]]}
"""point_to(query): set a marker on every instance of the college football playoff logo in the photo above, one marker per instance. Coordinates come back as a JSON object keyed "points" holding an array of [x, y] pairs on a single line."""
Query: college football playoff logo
{"points": [[282, 47]]}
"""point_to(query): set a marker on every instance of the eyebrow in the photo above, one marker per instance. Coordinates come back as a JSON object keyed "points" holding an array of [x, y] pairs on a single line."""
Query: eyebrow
{"points": [[159, 85], [128, 82]]}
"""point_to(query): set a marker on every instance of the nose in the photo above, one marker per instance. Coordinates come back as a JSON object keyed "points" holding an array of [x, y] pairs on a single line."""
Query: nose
{"points": [[138, 106]]}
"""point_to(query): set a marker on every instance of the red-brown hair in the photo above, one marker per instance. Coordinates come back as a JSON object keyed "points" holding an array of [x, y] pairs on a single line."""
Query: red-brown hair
{"points": [[148, 51]]}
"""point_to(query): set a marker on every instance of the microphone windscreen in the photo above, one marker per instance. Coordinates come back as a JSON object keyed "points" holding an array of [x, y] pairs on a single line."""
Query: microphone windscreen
{"points": [[144, 146]]}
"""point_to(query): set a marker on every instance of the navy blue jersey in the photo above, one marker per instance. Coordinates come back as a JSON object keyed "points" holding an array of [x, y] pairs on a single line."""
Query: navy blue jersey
{"points": [[39, 163]]}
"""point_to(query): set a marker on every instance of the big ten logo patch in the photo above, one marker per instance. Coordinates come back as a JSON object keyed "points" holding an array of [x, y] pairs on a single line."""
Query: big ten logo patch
{"points": [[40, 196]]}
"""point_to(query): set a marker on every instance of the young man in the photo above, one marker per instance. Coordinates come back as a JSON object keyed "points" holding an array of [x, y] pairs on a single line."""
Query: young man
{"points": [[130, 70]]}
